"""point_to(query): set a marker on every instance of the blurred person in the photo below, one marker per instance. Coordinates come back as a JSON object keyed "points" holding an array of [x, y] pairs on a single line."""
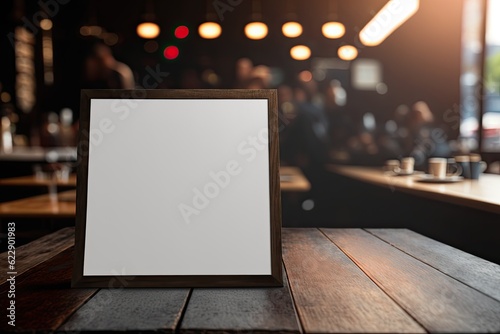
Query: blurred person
{"points": [[308, 137], [426, 138], [339, 93], [341, 126], [287, 112], [244, 67], [255, 83], [262, 72], [102, 70]]}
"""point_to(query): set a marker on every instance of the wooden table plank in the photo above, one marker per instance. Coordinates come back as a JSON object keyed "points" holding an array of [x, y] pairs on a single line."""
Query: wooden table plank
{"points": [[44, 298], [40, 250], [33, 181], [241, 310], [40, 154], [145, 310], [332, 294], [293, 180], [478, 273], [41, 206], [439, 302]]}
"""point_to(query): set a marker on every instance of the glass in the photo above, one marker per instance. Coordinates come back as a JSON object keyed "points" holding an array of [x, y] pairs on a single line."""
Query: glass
{"points": [[491, 116]]}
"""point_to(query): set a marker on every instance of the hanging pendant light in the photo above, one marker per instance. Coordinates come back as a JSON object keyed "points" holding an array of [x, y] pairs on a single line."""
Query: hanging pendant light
{"points": [[300, 52], [333, 29], [347, 52], [256, 29], [148, 29], [210, 29], [291, 28]]}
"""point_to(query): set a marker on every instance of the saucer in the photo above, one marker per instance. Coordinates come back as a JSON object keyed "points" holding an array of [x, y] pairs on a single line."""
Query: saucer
{"points": [[416, 172], [431, 179]]}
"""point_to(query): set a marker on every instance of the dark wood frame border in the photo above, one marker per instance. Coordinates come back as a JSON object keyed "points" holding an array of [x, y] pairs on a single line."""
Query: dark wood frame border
{"points": [[276, 277]]}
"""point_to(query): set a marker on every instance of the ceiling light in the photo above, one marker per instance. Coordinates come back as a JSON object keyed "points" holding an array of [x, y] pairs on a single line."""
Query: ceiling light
{"points": [[209, 30], [256, 30], [333, 30], [300, 52], [148, 30], [388, 19], [347, 52], [292, 29]]}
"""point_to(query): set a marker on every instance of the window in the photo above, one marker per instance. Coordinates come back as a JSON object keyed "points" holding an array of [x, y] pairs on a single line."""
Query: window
{"points": [[491, 104]]}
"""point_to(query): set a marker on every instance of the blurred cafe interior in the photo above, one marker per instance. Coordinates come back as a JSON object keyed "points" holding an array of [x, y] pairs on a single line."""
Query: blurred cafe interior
{"points": [[389, 111]]}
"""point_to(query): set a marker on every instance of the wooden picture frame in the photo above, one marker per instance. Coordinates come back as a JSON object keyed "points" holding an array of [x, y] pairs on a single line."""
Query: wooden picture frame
{"points": [[143, 154]]}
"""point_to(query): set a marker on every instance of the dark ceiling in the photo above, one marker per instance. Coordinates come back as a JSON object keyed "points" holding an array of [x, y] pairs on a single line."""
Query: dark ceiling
{"points": [[421, 60]]}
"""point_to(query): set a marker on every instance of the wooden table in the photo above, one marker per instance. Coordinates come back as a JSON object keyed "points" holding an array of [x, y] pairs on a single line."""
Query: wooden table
{"points": [[338, 280], [32, 181], [44, 206], [40, 154], [293, 180], [482, 194]]}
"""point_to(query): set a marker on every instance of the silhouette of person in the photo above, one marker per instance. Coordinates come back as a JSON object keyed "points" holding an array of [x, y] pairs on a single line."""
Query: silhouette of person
{"points": [[103, 71]]}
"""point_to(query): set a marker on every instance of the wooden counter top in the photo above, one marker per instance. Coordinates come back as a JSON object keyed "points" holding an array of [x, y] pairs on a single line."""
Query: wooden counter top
{"points": [[292, 180], [336, 281], [42, 206], [32, 181], [482, 194]]}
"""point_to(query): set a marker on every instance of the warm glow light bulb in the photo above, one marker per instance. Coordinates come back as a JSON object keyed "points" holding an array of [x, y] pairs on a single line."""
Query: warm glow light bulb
{"points": [[333, 30], [209, 30], [46, 24], [148, 30], [300, 52], [347, 52], [292, 29], [256, 30]]}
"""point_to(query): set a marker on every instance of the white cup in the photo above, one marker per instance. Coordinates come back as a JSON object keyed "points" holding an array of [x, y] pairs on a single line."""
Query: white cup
{"points": [[439, 166], [407, 165]]}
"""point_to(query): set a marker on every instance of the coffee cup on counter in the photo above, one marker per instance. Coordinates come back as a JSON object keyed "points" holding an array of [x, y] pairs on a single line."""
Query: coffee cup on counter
{"points": [[471, 165], [391, 165], [438, 168], [407, 166], [464, 162], [476, 166]]}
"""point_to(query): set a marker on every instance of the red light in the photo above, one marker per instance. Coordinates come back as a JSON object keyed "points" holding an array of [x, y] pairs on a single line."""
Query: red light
{"points": [[181, 32], [171, 52]]}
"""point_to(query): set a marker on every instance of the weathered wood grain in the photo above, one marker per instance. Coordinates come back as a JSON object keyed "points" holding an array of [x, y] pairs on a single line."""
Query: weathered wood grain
{"points": [[145, 310], [332, 294], [44, 298], [40, 250], [241, 310], [478, 273], [437, 301]]}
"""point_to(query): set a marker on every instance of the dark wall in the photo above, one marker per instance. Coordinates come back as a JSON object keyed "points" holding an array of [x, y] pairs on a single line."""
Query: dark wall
{"points": [[420, 60]]}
